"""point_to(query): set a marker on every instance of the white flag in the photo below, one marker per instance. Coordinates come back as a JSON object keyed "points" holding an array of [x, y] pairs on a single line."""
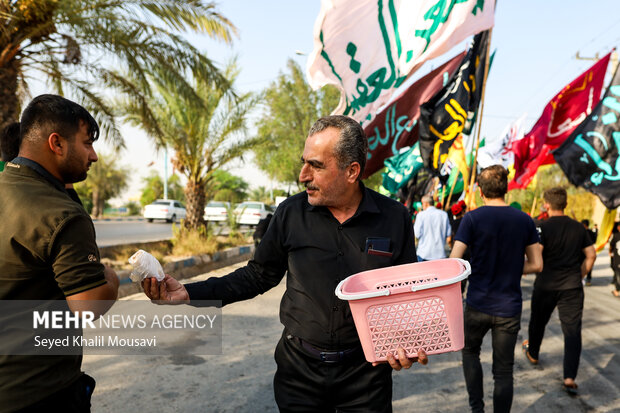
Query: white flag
{"points": [[499, 151], [367, 48]]}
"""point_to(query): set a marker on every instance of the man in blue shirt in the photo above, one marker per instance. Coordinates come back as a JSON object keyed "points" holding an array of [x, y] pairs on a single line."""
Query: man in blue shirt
{"points": [[498, 237], [432, 228]]}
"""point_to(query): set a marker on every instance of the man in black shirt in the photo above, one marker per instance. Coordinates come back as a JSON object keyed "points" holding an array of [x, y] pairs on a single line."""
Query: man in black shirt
{"points": [[261, 227], [592, 235], [568, 255], [614, 253], [320, 237]]}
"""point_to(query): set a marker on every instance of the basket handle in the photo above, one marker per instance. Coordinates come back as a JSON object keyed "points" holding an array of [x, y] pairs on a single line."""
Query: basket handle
{"points": [[450, 281], [386, 292], [360, 296]]}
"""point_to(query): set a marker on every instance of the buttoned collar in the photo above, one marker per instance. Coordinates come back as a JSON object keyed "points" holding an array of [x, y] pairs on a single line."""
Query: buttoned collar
{"points": [[367, 204]]}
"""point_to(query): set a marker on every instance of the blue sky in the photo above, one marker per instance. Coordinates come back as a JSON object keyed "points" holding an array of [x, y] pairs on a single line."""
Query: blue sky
{"points": [[536, 43]]}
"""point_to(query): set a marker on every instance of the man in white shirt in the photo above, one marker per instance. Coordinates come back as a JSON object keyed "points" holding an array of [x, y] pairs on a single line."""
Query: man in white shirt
{"points": [[432, 229]]}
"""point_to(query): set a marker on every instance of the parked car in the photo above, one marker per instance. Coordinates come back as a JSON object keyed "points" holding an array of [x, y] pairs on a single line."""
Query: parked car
{"points": [[216, 211], [167, 209], [250, 212]]}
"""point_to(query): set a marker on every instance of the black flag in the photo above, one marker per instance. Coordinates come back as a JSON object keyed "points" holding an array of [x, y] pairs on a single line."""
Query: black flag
{"points": [[446, 114], [589, 156]]}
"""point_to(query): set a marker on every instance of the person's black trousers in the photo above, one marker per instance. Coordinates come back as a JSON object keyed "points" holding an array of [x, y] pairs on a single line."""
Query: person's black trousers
{"points": [[72, 399], [570, 310], [305, 384], [616, 279], [504, 332]]}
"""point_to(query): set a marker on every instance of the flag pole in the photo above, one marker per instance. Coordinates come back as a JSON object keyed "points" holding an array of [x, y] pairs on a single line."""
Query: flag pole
{"points": [[451, 191], [533, 209], [484, 84]]}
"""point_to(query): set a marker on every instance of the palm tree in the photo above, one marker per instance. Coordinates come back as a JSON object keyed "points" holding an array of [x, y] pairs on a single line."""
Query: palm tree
{"points": [[205, 134], [106, 179], [83, 46], [261, 194]]}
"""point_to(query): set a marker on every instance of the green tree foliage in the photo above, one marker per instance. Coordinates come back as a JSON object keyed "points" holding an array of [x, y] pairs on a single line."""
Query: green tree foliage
{"points": [[225, 186], [205, 131], [375, 180], [261, 194], [85, 195], [106, 179], [133, 208], [290, 108], [84, 47], [154, 188], [580, 202]]}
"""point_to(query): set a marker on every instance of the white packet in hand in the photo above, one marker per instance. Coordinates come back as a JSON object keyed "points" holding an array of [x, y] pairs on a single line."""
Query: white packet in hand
{"points": [[145, 266]]}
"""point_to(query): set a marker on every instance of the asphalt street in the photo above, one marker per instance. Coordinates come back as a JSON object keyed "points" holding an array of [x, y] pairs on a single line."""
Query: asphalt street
{"points": [[240, 379], [125, 232], [117, 232]]}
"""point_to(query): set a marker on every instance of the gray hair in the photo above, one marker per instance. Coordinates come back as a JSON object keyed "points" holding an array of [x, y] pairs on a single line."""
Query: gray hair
{"points": [[352, 145], [427, 199]]}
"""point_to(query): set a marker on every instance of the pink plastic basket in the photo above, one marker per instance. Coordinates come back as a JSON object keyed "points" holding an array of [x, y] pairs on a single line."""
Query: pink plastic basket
{"points": [[413, 306]]}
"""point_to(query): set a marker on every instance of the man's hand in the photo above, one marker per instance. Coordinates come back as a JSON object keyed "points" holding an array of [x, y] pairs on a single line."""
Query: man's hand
{"points": [[168, 291], [403, 362]]}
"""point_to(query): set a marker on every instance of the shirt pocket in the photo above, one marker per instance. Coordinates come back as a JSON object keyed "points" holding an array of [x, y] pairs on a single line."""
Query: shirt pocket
{"points": [[371, 261]]}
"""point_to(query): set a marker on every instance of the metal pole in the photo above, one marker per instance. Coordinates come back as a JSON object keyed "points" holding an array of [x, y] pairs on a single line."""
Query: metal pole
{"points": [[484, 84], [166, 172]]}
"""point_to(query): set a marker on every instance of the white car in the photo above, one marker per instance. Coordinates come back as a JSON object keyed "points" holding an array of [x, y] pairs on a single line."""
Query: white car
{"points": [[249, 212], [167, 209], [216, 211]]}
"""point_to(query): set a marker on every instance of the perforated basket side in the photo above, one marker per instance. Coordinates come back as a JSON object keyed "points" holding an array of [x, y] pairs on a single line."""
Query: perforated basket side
{"points": [[414, 325], [407, 283]]}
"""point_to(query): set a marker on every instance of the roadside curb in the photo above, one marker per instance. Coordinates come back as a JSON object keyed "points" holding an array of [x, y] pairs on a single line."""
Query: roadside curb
{"points": [[118, 219], [190, 267]]}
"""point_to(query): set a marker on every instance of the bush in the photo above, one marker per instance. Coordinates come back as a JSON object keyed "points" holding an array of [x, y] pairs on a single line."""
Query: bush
{"points": [[133, 208], [193, 241]]}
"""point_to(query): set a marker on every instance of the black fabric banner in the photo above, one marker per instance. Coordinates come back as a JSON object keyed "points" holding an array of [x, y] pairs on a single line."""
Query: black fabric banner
{"points": [[396, 126], [589, 156], [452, 109]]}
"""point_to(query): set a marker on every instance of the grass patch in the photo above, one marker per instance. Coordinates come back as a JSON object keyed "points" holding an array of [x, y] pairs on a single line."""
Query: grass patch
{"points": [[117, 256], [187, 242], [184, 243]]}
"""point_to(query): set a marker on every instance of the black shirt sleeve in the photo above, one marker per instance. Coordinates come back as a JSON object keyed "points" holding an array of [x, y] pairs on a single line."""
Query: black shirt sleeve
{"points": [[586, 240], [262, 273]]}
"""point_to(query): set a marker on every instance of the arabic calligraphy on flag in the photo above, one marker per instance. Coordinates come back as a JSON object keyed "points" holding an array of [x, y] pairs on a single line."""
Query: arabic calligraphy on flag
{"points": [[560, 117], [444, 116], [589, 157], [397, 125], [367, 48]]}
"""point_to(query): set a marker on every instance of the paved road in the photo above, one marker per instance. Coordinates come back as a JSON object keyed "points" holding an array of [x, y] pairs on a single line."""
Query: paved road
{"points": [[130, 231], [240, 380], [124, 232]]}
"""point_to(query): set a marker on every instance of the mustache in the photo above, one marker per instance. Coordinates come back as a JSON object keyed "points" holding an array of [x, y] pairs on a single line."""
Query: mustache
{"points": [[309, 185]]}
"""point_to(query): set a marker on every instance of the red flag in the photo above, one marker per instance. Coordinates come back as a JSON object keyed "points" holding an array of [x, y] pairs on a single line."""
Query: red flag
{"points": [[397, 125], [560, 117]]}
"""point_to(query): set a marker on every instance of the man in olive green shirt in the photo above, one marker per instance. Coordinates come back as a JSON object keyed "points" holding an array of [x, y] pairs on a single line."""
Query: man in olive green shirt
{"points": [[48, 249]]}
